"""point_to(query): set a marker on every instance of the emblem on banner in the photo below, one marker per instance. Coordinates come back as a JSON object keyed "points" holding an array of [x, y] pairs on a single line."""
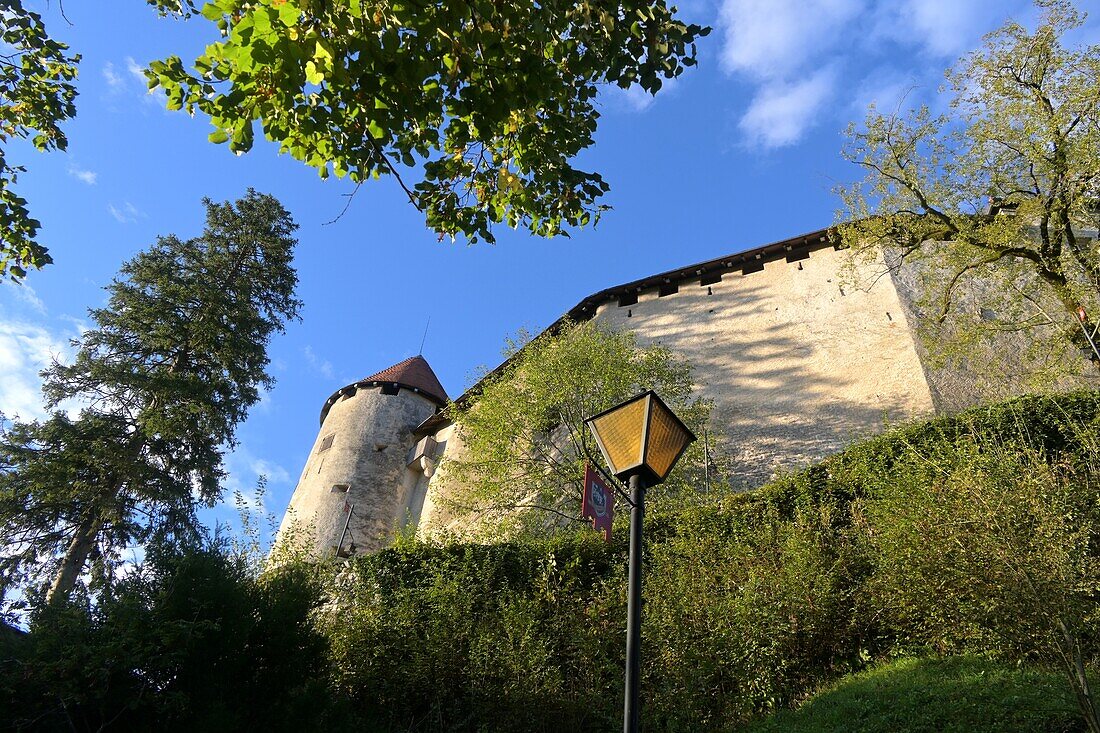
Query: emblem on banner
{"points": [[599, 502]]}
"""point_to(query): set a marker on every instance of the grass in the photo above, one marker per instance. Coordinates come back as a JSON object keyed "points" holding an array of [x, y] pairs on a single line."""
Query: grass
{"points": [[952, 695]]}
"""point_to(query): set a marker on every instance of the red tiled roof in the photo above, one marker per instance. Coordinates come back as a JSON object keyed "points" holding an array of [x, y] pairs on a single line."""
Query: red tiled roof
{"points": [[413, 373]]}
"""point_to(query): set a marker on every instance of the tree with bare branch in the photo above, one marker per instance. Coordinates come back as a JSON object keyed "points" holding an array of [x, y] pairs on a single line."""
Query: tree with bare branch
{"points": [[997, 196]]}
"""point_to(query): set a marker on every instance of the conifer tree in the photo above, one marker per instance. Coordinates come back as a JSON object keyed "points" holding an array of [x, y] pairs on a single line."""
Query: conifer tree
{"points": [[173, 364]]}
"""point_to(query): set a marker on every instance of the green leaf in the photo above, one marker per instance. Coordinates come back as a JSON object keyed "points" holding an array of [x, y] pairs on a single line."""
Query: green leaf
{"points": [[212, 10], [289, 13], [515, 80]]}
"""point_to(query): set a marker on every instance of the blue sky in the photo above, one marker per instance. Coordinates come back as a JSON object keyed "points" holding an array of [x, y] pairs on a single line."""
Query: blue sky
{"points": [[742, 151]]}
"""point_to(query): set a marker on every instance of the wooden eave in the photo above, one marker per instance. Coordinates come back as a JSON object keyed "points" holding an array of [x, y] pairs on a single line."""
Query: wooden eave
{"points": [[791, 249]]}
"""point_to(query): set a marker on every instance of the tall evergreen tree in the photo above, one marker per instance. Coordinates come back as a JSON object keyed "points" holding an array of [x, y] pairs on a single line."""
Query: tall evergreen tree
{"points": [[175, 360]]}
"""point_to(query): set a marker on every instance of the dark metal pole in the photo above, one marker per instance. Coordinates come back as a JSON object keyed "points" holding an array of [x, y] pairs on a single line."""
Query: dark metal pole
{"points": [[706, 461], [632, 707]]}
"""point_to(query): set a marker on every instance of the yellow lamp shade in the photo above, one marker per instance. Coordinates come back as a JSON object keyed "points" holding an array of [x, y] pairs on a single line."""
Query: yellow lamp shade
{"points": [[641, 435]]}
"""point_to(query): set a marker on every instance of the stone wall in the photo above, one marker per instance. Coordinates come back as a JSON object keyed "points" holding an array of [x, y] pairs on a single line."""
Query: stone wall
{"points": [[798, 363], [358, 468], [1003, 361]]}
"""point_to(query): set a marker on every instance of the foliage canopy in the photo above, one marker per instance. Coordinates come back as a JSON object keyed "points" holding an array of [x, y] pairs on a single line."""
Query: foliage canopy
{"points": [[491, 101], [36, 95], [523, 439], [486, 103], [999, 190]]}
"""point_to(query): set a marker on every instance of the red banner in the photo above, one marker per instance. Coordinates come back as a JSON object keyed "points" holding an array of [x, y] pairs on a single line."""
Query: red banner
{"points": [[599, 502]]}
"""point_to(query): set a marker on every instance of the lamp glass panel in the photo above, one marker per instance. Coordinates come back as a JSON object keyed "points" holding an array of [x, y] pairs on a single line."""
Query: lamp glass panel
{"points": [[620, 432], [666, 439]]}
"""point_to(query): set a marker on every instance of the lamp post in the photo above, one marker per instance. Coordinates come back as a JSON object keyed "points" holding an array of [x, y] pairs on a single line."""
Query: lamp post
{"points": [[641, 440]]}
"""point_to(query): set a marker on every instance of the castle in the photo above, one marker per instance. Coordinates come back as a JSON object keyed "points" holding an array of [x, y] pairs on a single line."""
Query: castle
{"points": [[796, 359]]}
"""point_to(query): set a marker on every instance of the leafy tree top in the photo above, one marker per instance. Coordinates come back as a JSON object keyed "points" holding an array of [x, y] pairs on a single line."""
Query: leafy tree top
{"points": [[36, 96], [488, 101], [522, 439], [1022, 133]]}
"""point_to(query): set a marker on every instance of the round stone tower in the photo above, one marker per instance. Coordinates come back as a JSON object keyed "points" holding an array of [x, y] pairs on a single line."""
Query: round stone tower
{"points": [[353, 493]]}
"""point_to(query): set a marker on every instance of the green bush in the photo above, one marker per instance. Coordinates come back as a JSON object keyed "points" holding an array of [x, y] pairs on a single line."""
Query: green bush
{"points": [[972, 534], [961, 694], [752, 600], [501, 637], [191, 641]]}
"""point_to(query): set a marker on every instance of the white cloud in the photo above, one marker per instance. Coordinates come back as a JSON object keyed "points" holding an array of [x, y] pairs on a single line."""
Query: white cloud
{"points": [[781, 113], [79, 324], [636, 99], [770, 39], [942, 28], [25, 350], [25, 295], [243, 473], [793, 53], [114, 80], [275, 473], [132, 82], [82, 175], [126, 213], [889, 90], [136, 70], [322, 366], [263, 405], [154, 97]]}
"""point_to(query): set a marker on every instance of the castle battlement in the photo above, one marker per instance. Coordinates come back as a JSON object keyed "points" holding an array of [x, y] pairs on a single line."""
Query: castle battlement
{"points": [[800, 351]]}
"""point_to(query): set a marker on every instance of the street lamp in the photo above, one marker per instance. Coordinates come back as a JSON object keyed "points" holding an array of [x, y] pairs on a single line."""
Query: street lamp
{"points": [[641, 440]]}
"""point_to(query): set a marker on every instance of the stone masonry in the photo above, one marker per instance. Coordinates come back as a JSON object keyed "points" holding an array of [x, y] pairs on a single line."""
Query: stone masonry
{"points": [[800, 354]]}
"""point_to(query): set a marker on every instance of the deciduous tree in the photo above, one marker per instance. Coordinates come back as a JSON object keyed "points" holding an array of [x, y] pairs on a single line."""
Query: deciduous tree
{"points": [[36, 96], [170, 369], [1001, 190], [523, 439], [486, 101]]}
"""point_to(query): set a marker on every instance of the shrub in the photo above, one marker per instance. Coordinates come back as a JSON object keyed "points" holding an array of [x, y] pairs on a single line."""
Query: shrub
{"points": [[974, 534], [189, 641]]}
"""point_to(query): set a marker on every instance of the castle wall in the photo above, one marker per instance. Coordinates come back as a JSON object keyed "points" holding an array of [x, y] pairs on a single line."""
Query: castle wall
{"points": [[435, 516], [800, 358], [358, 467], [798, 363], [1002, 362]]}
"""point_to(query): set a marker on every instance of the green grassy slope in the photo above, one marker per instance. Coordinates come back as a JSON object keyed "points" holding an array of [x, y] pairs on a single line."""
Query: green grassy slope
{"points": [[957, 694]]}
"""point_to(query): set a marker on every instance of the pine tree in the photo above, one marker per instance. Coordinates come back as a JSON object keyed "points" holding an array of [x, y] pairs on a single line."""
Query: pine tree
{"points": [[175, 360]]}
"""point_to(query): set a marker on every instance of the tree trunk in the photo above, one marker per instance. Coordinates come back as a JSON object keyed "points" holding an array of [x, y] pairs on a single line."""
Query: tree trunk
{"points": [[1078, 676], [76, 555]]}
